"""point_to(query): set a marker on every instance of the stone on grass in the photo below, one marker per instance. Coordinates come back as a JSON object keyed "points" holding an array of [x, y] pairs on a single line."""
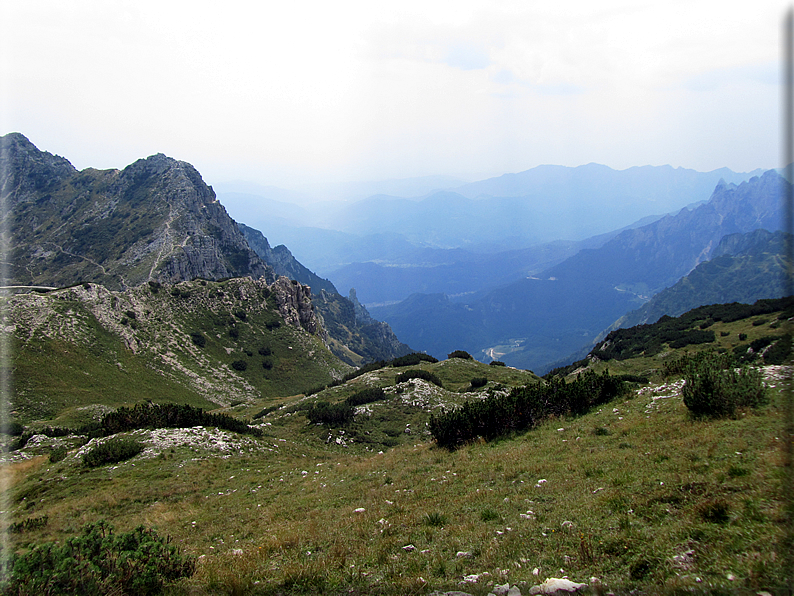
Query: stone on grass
{"points": [[555, 585], [463, 554]]}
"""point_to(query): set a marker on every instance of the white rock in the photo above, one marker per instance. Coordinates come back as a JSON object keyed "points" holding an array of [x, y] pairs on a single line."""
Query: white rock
{"points": [[359, 510], [501, 590], [555, 584], [463, 554], [409, 548], [514, 591]]}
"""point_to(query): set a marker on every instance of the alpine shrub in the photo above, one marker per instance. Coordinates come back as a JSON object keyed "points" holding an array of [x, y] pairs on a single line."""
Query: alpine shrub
{"points": [[412, 359], [137, 563], [168, 416], [198, 339], [334, 414], [715, 388], [522, 409], [57, 454], [477, 382], [460, 354], [112, 451], [366, 396], [417, 373], [31, 523]]}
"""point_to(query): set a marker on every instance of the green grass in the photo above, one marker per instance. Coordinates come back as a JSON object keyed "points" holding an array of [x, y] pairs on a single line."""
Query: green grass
{"points": [[73, 361], [653, 504]]}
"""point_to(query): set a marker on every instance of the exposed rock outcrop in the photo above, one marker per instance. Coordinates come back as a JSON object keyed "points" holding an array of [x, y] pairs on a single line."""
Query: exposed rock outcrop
{"points": [[154, 220], [294, 302]]}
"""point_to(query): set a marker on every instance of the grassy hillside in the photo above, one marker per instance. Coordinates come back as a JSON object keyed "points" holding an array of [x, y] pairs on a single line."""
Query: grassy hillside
{"points": [[747, 331], [636, 495], [81, 349]]}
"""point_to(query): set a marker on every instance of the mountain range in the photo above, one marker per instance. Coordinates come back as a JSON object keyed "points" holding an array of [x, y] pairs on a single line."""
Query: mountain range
{"points": [[531, 306], [155, 220], [536, 321]]}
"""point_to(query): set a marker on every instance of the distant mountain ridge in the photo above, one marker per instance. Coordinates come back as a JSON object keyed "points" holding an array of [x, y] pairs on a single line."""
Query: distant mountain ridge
{"points": [[533, 323], [510, 212], [743, 268]]}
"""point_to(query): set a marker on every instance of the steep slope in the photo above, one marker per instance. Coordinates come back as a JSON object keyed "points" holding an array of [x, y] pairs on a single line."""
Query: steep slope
{"points": [[744, 268], [199, 342], [154, 220], [283, 263], [655, 256], [354, 336]]}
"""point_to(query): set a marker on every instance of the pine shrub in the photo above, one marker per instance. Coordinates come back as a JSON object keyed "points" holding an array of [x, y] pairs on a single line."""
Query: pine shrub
{"points": [[418, 373], [332, 414], [522, 409], [715, 388], [137, 563], [112, 451], [366, 396], [478, 382]]}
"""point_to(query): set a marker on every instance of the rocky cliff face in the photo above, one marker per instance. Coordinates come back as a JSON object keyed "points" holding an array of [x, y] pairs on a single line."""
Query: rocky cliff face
{"points": [[154, 220], [356, 341]]}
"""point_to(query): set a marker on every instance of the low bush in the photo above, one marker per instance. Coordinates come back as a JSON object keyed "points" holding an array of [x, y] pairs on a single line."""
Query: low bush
{"points": [[112, 451], [522, 409], [417, 373], [167, 416], [460, 354], [412, 359], [366, 396], [11, 428], [478, 382], [198, 339], [31, 523], [265, 411], [715, 388], [496, 363], [372, 366], [779, 352], [57, 454], [239, 365], [137, 563], [333, 414]]}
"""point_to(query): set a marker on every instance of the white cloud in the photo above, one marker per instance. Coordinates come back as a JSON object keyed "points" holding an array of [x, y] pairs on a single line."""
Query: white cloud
{"points": [[281, 92]]}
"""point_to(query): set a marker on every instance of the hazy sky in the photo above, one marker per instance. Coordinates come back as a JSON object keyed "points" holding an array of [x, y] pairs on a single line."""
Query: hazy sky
{"points": [[288, 92]]}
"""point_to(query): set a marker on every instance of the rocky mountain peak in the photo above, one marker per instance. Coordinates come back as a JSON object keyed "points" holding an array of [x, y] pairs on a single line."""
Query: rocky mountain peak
{"points": [[28, 170], [154, 220]]}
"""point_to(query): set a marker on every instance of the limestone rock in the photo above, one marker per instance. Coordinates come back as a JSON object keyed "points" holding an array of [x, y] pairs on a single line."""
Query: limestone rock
{"points": [[555, 585]]}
